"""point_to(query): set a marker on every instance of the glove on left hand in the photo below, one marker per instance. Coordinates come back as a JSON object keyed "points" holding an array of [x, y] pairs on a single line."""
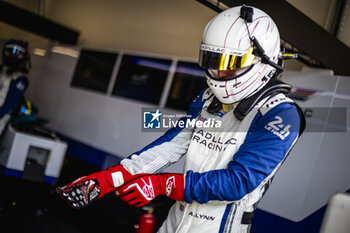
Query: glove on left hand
{"points": [[143, 189]]}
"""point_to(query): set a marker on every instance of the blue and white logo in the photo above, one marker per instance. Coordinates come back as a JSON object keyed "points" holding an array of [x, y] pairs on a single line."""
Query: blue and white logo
{"points": [[278, 128], [152, 120]]}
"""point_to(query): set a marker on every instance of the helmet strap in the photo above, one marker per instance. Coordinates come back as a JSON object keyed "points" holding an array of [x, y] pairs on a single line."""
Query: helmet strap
{"points": [[274, 86], [215, 106]]}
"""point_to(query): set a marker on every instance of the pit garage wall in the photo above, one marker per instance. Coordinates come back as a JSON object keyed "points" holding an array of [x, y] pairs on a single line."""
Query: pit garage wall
{"points": [[107, 123], [316, 168]]}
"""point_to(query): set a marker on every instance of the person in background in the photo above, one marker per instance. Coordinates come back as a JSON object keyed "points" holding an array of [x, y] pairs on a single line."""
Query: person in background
{"points": [[228, 168], [13, 80]]}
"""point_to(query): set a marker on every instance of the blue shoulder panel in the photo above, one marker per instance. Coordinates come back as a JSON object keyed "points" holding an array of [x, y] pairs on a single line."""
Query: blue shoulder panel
{"points": [[268, 141], [193, 111], [14, 95]]}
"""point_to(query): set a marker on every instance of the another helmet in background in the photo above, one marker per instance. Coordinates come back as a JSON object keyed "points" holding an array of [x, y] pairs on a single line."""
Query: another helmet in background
{"points": [[239, 53], [15, 56]]}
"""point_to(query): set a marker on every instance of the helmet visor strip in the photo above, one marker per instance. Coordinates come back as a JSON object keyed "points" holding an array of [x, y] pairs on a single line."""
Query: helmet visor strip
{"points": [[225, 61]]}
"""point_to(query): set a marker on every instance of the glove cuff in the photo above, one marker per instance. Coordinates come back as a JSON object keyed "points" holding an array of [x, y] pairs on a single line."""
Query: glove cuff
{"points": [[112, 178], [174, 186]]}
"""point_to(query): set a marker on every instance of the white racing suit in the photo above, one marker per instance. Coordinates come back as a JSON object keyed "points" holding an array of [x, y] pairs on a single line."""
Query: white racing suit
{"points": [[228, 168]]}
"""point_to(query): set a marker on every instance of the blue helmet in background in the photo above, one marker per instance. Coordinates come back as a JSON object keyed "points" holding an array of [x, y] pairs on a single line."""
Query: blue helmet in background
{"points": [[15, 56]]}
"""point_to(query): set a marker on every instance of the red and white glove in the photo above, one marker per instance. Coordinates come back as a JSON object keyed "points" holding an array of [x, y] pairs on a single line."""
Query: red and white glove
{"points": [[143, 189], [87, 189]]}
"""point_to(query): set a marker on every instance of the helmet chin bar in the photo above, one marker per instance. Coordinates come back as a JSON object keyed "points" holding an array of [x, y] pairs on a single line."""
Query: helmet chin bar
{"points": [[247, 15]]}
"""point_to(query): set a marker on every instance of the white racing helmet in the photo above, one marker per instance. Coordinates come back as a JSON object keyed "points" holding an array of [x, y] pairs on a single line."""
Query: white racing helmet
{"points": [[239, 62]]}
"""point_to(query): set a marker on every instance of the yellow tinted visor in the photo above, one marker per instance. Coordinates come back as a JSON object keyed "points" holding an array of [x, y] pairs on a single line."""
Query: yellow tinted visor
{"points": [[225, 61]]}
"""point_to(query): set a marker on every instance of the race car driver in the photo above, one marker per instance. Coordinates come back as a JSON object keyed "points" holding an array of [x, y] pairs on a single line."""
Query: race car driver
{"points": [[13, 80], [228, 168]]}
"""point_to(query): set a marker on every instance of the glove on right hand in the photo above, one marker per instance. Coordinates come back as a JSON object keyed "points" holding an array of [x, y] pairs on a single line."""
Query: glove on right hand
{"points": [[87, 189]]}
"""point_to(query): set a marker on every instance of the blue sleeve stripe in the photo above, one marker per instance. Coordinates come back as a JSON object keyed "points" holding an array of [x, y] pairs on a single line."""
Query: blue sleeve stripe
{"points": [[259, 155], [193, 111]]}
